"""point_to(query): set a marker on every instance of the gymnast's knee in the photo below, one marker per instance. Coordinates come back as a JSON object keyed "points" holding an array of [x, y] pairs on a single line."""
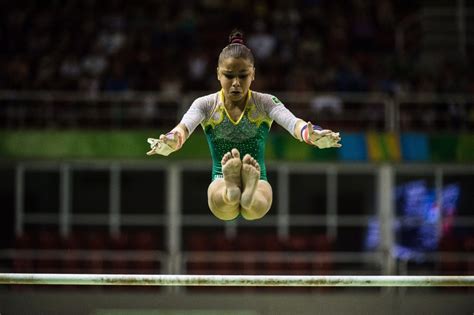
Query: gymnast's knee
{"points": [[225, 213], [254, 214]]}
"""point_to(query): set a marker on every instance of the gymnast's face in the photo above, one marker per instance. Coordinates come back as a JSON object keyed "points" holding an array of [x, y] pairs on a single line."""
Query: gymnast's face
{"points": [[236, 76]]}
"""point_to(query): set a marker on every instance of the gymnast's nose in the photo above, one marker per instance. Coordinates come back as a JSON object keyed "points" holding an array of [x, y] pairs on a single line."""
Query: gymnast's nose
{"points": [[236, 82]]}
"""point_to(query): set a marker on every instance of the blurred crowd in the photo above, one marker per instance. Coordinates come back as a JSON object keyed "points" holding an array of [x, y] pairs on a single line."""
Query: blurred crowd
{"points": [[172, 46]]}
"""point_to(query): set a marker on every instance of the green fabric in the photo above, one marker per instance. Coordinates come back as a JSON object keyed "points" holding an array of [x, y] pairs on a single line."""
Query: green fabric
{"points": [[245, 136]]}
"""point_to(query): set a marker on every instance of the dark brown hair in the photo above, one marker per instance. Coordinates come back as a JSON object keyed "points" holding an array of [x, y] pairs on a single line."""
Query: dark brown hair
{"points": [[236, 48]]}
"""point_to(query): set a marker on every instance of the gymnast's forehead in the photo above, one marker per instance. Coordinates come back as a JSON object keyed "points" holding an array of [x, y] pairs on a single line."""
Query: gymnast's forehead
{"points": [[235, 65]]}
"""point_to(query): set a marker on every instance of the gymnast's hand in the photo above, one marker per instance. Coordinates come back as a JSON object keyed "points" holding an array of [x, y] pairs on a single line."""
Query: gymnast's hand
{"points": [[166, 144], [321, 138]]}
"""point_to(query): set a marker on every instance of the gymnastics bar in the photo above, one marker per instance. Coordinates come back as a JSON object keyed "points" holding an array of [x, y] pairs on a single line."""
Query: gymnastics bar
{"points": [[235, 280]]}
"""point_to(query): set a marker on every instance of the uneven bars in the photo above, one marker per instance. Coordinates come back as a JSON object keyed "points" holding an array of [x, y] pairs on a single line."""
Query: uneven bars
{"points": [[235, 280]]}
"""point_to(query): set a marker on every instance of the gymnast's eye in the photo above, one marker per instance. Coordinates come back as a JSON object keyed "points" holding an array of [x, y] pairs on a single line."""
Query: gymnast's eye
{"points": [[229, 76]]}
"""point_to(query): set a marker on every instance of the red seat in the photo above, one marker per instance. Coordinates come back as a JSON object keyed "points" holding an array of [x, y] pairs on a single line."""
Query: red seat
{"points": [[47, 240], [94, 242], [273, 267], [22, 264], [248, 264], [448, 266], [248, 241], [71, 245], [118, 264], [320, 243], [198, 241], [226, 267], [298, 243], [145, 240], [469, 248], [199, 264], [271, 242], [223, 243], [119, 242], [299, 266], [24, 241]]}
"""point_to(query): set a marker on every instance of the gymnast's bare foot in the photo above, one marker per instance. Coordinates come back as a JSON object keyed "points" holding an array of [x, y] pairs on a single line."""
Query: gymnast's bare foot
{"points": [[250, 177], [231, 168]]}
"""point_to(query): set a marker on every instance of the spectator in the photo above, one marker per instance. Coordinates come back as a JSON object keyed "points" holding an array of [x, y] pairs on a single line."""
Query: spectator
{"points": [[261, 42], [42, 46]]}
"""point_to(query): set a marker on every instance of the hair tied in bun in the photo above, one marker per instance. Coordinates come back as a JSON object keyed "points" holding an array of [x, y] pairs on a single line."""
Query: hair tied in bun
{"points": [[236, 37], [236, 48]]}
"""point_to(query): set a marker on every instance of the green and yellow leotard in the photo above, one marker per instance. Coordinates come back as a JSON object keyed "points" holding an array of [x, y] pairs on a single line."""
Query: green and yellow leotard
{"points": [[248, 134]]}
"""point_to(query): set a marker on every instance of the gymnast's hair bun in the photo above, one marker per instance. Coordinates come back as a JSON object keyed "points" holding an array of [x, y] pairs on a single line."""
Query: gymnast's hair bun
{"points": [[236, 37]]}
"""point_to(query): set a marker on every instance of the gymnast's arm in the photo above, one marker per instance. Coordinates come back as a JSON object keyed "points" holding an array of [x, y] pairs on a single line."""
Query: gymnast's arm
{"points": [[174, 140], [304, 131]]}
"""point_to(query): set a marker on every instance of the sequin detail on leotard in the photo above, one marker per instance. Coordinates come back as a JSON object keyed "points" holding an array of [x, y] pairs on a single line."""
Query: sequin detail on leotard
{"points": [[248, 135]]}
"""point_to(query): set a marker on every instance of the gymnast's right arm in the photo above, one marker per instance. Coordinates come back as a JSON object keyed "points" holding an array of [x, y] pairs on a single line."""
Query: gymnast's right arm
{"points": [[174, 140]]}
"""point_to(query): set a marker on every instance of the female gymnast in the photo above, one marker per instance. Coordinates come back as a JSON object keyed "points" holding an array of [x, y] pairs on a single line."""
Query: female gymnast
{"points": [[236, 121]]}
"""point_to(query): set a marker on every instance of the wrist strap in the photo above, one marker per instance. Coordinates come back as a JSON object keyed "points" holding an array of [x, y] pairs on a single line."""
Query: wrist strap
{"points": [[304, 132], [180, 137]]}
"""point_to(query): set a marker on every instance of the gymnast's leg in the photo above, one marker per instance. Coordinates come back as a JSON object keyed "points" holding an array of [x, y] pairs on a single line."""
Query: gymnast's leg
{"points": [[224, 194], [257, 194]]}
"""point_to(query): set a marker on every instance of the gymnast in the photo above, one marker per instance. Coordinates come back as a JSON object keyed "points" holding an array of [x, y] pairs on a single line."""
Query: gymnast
{"points": [[236, 121]]}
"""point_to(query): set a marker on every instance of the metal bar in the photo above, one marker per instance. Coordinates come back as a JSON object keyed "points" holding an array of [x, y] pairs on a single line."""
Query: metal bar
{"points": [[65, 200], [230, 228], [114, 199], [331, 202], [19, 199], [173, 205], [385, 207], [236, 280], [283, 218], [439, 201]]}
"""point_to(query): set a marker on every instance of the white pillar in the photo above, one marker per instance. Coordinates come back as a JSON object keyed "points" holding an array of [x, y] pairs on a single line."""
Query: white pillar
{"points": [[173, 207], [385, 202], [283, 202], [65, 200], [331, 202], [114, 199], [19, 199]]}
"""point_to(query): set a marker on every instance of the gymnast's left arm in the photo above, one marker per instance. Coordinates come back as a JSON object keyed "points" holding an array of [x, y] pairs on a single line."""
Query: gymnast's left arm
{"points": [[304, 131], [315, 135]]}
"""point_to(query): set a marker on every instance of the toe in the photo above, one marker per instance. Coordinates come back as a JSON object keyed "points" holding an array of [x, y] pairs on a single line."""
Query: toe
{"points": [[235, 153], [225, 158], [255, 164], [247, 159]]}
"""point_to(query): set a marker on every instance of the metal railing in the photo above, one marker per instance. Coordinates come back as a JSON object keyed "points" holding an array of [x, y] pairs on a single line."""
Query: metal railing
{"points": [[340, 111], [175, 219]]}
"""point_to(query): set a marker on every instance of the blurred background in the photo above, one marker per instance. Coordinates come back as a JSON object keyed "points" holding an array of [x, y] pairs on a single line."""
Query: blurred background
{"points": [[84, 83]]}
